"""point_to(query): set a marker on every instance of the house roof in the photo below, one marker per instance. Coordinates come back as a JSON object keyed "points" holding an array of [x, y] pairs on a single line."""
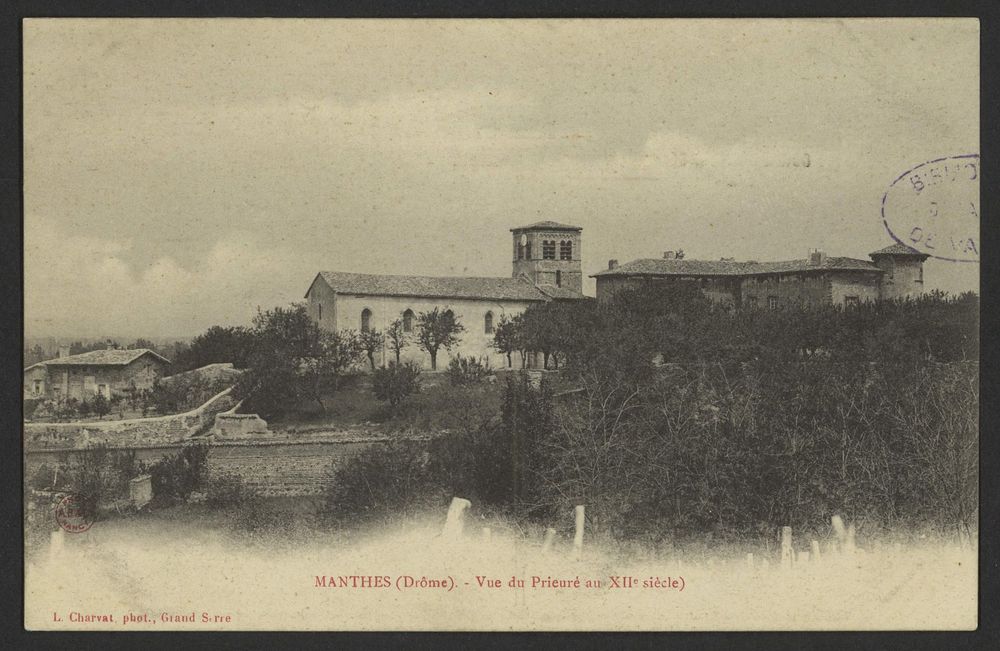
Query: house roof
{"points": [[899, 249], [674, 267], [512, 289], [561, 293], [547, 226], [113, 357]]}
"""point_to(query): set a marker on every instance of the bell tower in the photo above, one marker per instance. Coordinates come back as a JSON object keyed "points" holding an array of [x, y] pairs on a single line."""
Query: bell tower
{"points": [[548, 253]]}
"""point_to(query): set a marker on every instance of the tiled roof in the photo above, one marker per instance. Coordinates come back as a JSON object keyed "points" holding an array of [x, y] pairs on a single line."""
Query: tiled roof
{"points": [[549, 226], [899, 249], [560, 293], [432, 286], [673, 267], [112, 357]]}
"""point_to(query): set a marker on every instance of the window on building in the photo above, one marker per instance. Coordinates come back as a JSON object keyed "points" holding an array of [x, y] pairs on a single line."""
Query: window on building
{"points": [[488, 323], [752, 301], [527, 251], [102, 390], [320, 307], [851, 301], [892, 268], [772, 302], [38, 386], [520, 251], [558, 278], [566, 250], [408, 321], [920, 273], [548, 249], [366, 320]]}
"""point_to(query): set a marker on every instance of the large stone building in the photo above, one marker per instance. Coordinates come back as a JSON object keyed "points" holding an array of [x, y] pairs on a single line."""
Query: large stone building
{"points": [[893, 272], [109, 373], [546, 267]]}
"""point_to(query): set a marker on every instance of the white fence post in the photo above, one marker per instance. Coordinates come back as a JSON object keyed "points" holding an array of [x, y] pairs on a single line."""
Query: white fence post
{"points": [[578, 537], [786, 548], [453, 525]]}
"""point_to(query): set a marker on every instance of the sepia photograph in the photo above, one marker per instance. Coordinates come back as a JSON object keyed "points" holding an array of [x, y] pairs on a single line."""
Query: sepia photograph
{"points": [[501, 324]]}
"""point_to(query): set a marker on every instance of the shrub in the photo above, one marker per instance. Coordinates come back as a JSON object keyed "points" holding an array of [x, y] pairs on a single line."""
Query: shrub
{"points": [[395, 382], [384, 478], [176, 476], [468, 370], [226, 491]]}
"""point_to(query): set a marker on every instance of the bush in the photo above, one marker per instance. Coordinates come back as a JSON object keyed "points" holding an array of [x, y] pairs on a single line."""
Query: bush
{"points": [[468, 370], [386, 478], [228, 491], [176, 476], [395, 382]]}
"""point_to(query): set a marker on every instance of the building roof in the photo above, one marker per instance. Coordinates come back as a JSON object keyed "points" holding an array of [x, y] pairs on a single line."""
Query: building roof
{"points": [[511, 289], [561, 293], [899, 249], [674, 267], [112, 357], [548, 226]]}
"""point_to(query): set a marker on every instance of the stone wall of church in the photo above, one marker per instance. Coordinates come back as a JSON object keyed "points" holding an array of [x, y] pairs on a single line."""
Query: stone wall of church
{"points": [[474, 341]]}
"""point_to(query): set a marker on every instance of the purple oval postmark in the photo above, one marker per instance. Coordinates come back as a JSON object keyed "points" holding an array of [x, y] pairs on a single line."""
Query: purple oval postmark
{"points": [[934, 208]]}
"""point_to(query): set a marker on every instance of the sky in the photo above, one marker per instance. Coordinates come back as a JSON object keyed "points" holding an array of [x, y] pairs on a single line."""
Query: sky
{"points": [[181, 173]]}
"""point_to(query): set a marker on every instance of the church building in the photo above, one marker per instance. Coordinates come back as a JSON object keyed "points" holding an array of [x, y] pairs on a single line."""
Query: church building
{"points": [[546, 259]]}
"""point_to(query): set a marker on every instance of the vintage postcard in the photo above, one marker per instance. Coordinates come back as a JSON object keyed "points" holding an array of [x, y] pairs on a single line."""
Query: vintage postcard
{"points": [[490, 325]]}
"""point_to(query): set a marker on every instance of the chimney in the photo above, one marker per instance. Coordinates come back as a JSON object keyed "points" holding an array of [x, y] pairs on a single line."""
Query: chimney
{"points": [[111, 345], [817, 258], [63, 351], [612, 264], [669, 255]]}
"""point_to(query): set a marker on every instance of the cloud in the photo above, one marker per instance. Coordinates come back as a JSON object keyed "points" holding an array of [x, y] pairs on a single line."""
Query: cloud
{"points": [[80, 285]]}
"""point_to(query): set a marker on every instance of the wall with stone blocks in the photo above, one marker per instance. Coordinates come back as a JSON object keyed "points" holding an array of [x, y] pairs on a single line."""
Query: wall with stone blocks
{"points": [[133, 432], [272, 468]]}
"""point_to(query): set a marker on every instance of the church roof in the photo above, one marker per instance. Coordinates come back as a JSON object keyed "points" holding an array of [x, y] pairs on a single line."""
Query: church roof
{"points": [[899, 249], [112, 357], [560, 293], [548, 226], [511, 289], [674, 267]]}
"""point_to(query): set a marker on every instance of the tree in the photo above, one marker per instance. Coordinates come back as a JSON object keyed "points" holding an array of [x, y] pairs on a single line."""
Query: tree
{"points": [[216, 345], [397, 338], [393, 383], [100, 405], [334, 354], [437, 329], [547, 329], [505, 336], [371, 341], [292, 359]]}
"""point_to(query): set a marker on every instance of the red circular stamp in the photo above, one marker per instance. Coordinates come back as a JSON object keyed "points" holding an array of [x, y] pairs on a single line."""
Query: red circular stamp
{"points": [[72, 513]]}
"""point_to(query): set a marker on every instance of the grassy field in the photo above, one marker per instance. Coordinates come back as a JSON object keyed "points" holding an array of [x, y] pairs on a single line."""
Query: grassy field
{"points": [[436, 407]]}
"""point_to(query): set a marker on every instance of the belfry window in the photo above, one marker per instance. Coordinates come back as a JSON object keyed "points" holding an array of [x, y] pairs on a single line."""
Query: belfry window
{"points": [[548, 249], [566, 250], [488, 323], [366, 320], [408, 321]]}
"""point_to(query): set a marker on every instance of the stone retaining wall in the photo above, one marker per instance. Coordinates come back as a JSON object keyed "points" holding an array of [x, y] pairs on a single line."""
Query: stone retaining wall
{"points": [[132, 432], [274, 468]]}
